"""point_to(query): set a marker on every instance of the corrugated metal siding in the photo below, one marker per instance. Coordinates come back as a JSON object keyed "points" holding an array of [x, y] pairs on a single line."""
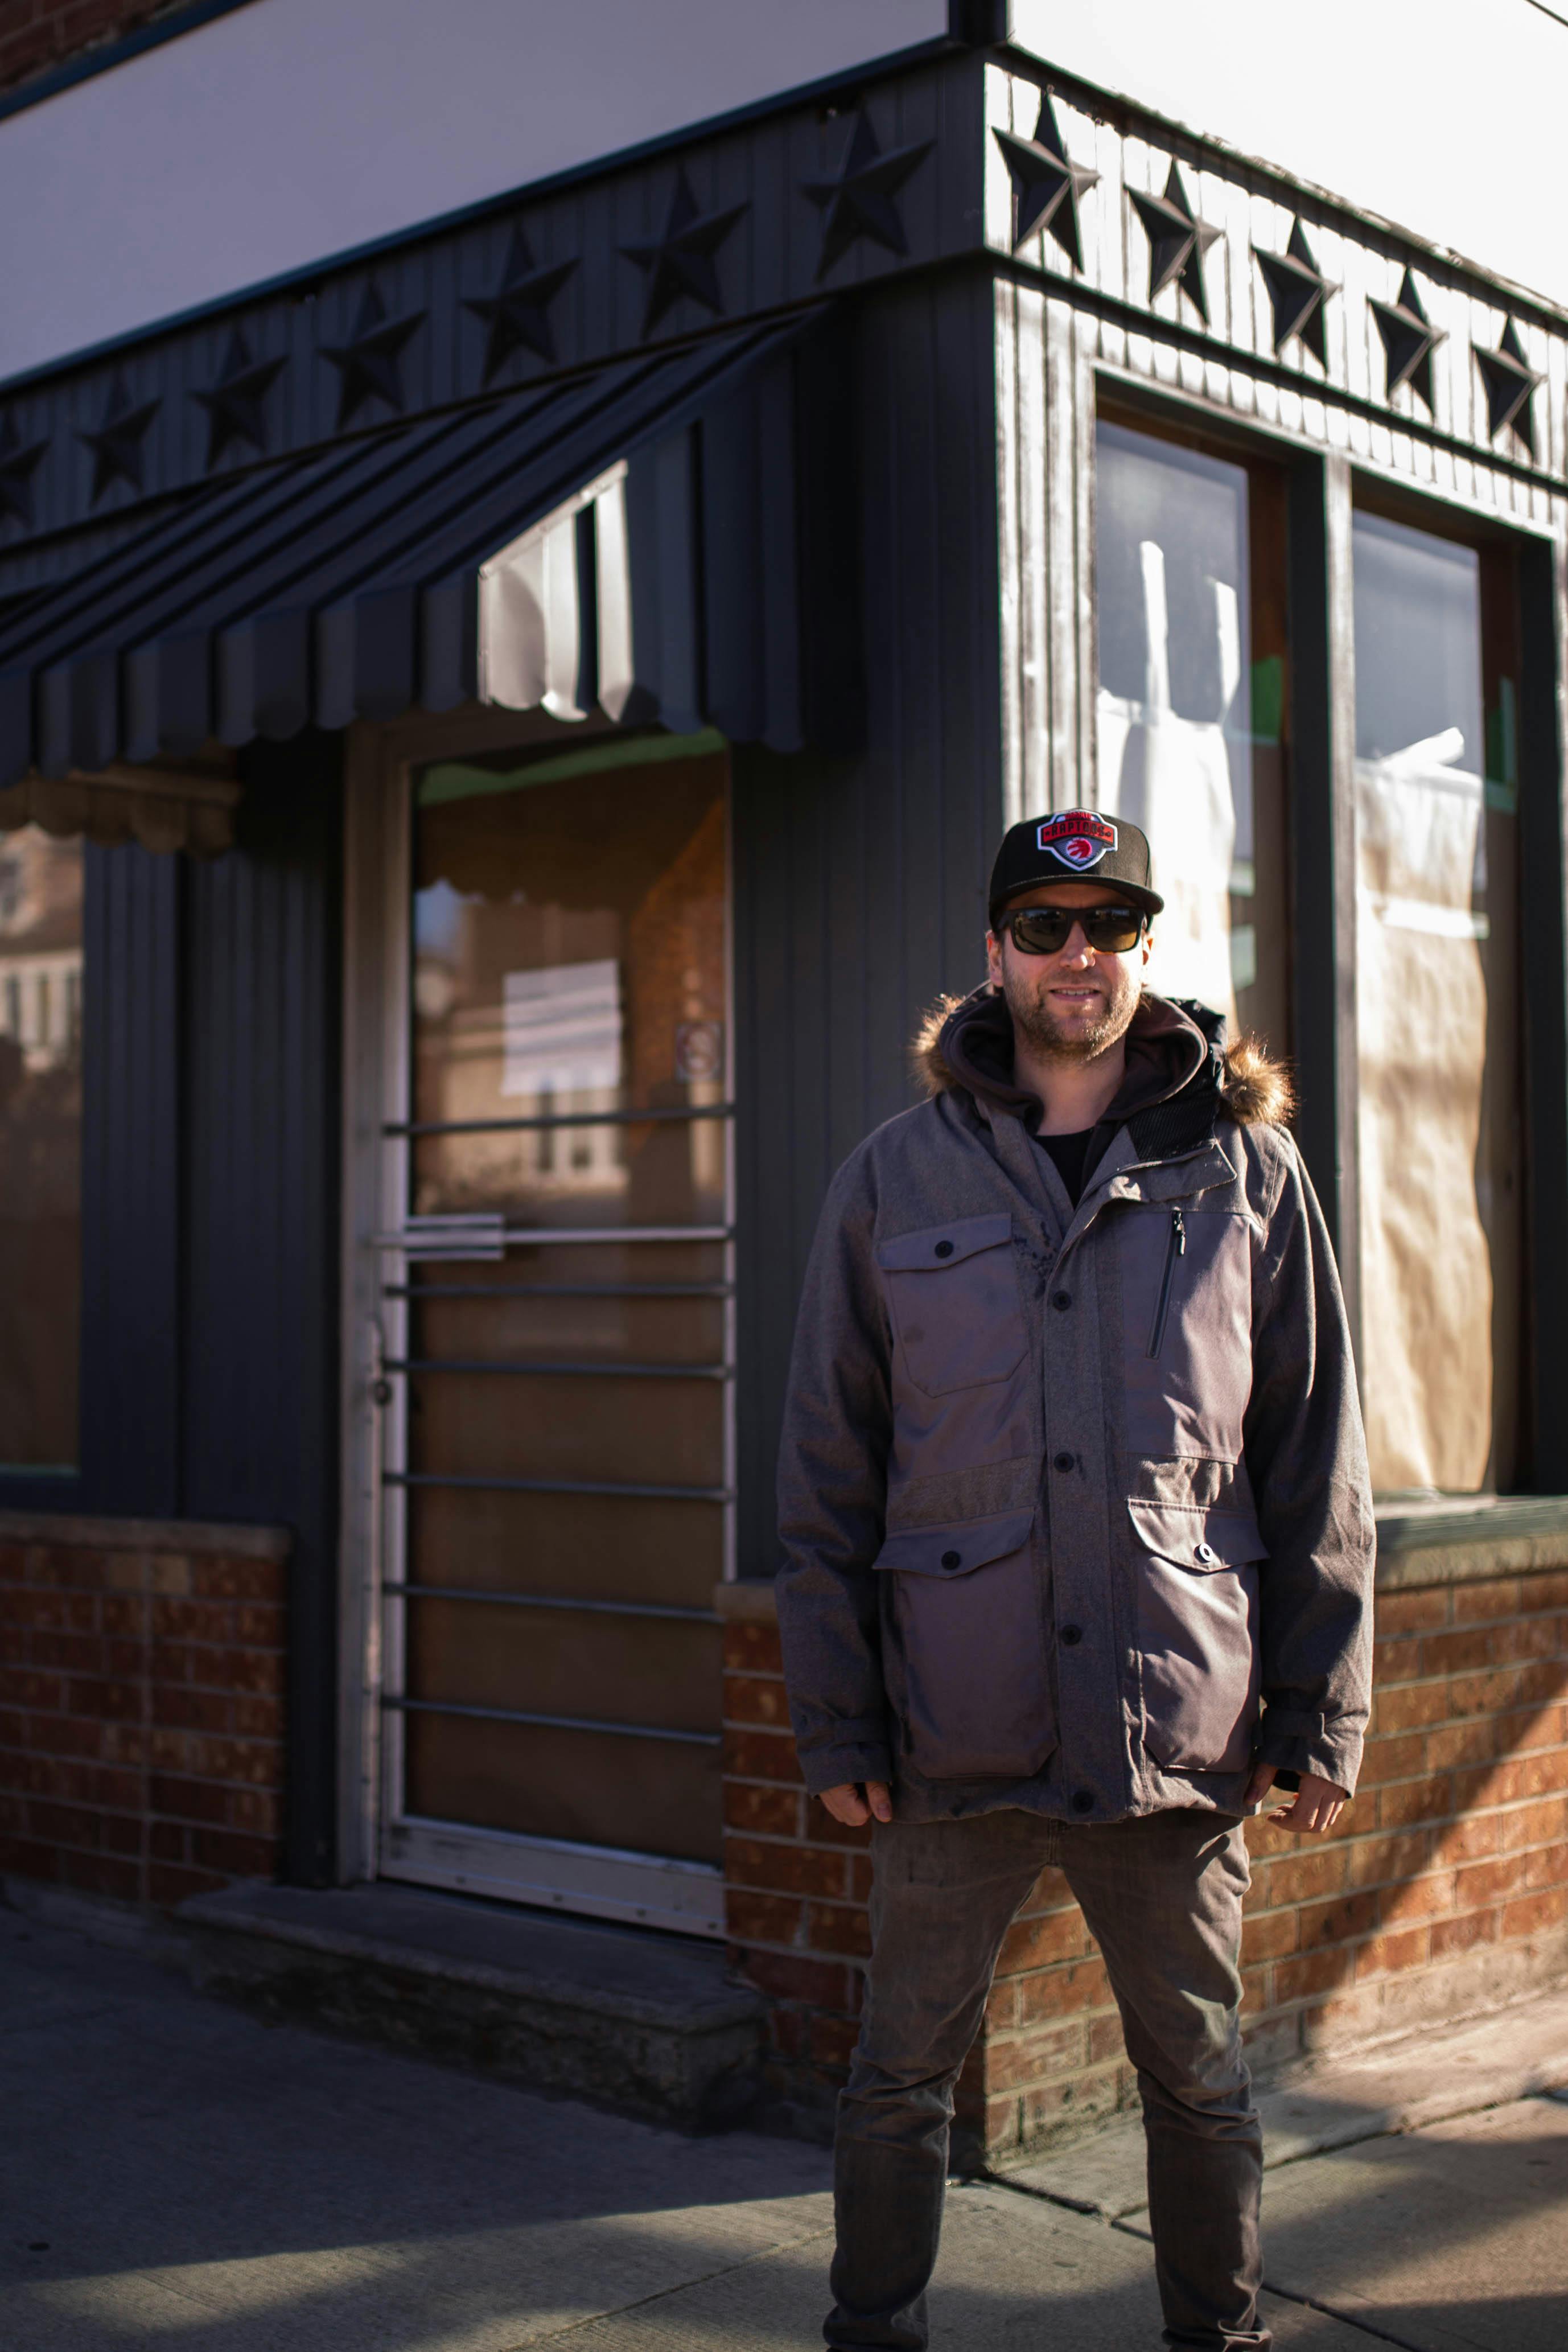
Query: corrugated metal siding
{"points": [[1254, 210], [1045, 432], [131, 1185], [860, 884], [260, 1261]]}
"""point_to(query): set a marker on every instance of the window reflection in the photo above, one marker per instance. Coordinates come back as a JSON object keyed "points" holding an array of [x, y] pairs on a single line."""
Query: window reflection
{"points": [[568, 969], [1437, 1017], [40, 1149], [1189, 554]]}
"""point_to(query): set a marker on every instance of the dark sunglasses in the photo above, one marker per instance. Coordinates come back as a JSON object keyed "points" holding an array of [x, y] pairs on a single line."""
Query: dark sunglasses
{"points": [[1045, 930]]}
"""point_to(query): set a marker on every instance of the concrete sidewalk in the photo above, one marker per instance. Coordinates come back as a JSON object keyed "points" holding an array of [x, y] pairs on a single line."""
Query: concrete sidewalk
{"points": [[173, 2173]]}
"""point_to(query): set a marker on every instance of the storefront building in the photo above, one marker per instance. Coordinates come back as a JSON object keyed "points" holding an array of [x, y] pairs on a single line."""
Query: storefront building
{"points": [[500, 739]]}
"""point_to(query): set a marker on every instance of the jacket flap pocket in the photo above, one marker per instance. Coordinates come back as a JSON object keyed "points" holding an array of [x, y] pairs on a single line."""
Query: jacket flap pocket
{"points": [[955, 1550], [1192, 1536], [935, 1247]]}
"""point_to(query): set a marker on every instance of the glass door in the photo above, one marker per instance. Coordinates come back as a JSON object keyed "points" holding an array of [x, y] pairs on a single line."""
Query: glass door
{"points": [[556, 1323]]}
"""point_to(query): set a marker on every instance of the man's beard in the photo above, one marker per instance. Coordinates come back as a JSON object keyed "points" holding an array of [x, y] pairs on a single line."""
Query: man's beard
{"points": [[1038, 1028]]}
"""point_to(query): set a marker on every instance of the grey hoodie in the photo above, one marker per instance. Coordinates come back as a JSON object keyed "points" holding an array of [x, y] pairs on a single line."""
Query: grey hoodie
{"points": [[1074, 1503]]}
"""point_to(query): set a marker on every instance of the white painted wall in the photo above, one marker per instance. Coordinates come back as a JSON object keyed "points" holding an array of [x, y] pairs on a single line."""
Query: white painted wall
{"points": [[294, 128], [1446, 116]]}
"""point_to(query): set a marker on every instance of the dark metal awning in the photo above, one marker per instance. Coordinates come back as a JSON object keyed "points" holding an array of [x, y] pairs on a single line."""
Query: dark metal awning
{"points": [[626, 540]]}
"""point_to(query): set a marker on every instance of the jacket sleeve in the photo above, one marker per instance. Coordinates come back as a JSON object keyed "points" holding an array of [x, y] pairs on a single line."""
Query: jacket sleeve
{"points": [[833, 1488], [1306, 1456]]}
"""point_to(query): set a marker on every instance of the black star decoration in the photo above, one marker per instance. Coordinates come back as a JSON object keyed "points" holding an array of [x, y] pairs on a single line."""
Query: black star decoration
{"points": [[19, 461], [683, 261], [1409, 340], [370, 363], [517, 312], [236, 404], [1177, 242], [1510, 380], [117, 445], [858, 203], [1047, 184], [1296, 292]]}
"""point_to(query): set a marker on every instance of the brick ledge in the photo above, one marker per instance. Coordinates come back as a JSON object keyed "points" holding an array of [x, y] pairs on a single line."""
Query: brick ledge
{"points": [[145, 1535]]}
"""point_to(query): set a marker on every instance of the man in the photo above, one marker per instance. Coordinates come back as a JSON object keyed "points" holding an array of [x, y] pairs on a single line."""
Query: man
{"points": [[1078, 1552]]}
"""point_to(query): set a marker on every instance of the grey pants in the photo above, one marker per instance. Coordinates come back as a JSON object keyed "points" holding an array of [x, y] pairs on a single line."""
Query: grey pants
{"points": [[1163, 1899]]}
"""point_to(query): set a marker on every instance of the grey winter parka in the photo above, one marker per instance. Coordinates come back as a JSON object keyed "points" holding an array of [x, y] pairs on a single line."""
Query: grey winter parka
{"points": [[1073, 1503]]}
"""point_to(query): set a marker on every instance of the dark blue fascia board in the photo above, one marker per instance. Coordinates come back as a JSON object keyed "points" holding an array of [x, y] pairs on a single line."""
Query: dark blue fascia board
{"points": [[354, 256], [116, 53]]}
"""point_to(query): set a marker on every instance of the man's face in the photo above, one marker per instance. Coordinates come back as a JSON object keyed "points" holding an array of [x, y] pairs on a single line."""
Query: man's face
{"points": [[1069, 1006]]}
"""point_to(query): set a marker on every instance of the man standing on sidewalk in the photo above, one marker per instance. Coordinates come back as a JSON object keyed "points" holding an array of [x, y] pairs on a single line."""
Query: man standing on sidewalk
{"points": [[1078, 1552]]}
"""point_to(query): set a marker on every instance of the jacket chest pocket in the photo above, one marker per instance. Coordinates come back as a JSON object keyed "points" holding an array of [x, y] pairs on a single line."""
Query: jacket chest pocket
{"points": [[1187, 1327], [971, 1684], [1197, 1635], [954, 1302]]}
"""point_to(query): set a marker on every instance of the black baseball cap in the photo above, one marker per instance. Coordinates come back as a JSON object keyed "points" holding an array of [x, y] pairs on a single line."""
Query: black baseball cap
{"points": [[1074, 845]]}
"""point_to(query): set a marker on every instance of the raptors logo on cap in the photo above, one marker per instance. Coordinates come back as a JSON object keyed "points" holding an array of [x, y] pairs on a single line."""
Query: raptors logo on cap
{"points": [[1078, 836]]}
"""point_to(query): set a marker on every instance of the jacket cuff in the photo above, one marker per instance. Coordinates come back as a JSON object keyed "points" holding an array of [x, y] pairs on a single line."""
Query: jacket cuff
{"points": [[1295, 1744], [830, 1768]]}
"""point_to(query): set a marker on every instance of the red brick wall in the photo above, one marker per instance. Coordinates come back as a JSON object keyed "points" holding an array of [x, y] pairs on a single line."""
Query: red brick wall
{"points": [[141, 1706], [1445, 1890], [796, 1881], [36, 36]]}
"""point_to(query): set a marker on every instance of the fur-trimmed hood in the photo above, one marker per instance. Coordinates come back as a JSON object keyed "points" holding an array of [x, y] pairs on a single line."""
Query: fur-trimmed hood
{"points": [[1254, 1089]]}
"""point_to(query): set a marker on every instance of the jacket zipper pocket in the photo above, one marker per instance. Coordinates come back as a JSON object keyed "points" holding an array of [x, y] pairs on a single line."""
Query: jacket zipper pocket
{"points": [[1175, 1247]]}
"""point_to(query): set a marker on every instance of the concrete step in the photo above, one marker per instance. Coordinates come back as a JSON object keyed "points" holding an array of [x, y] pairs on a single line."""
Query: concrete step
{"points": [[648, 2024], [1394, 2087]]}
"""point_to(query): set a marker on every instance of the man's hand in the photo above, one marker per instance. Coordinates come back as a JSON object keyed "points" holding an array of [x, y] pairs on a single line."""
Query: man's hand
{"points": [[855, 1801], [1315, 1807]]}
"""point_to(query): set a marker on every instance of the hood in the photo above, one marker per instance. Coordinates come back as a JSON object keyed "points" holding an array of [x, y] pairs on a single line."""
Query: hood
{"points": [[1172, 1045]]}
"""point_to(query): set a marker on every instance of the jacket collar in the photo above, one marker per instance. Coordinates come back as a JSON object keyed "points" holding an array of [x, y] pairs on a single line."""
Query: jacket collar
{"points": [[1170, 1100]]}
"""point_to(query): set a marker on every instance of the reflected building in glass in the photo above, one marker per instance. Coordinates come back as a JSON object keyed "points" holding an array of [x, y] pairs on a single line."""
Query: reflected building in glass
{"points": [[40, 1149]]}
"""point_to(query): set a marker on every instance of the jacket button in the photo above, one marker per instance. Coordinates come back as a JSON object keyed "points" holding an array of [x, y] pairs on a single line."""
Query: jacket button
{"points": [[1062, 1301], [1072, 1634], [1084, 1800], [944, 1249], [952, 1559], [1204, 1553], [1062, 1461]]}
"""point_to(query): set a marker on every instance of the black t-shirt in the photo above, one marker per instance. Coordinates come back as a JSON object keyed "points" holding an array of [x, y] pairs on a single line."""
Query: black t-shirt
{"points": [[1069, 1152]]}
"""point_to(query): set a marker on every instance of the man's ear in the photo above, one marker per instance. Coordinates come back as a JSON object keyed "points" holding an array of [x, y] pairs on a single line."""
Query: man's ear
{"points": [[993, 960], [1148, 941]]}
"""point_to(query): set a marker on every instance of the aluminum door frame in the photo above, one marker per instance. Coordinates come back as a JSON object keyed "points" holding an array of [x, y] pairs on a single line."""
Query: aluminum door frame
{"points": [[376, 1838]]}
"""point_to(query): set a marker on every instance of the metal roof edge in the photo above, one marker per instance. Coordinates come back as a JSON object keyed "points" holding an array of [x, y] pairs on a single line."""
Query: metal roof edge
{"points": [[486, 209]]}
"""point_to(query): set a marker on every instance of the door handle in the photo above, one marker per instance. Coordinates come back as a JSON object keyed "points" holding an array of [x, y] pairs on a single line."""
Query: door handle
{"points": [[468, 1236]]}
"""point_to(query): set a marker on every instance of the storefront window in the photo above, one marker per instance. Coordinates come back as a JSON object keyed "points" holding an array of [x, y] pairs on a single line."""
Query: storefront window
{"points": [[1438, 1009], [1190, 549], [40, 1150]]}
